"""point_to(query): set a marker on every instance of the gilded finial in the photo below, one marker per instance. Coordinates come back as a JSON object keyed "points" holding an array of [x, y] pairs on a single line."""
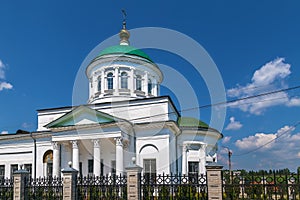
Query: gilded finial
{"points": [[124, 34]]}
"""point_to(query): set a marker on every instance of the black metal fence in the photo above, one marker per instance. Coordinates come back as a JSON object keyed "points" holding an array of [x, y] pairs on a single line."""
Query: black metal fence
{"points": [[175, 187], [45, 188], [102, 187], [6, 189], [271, 186]]}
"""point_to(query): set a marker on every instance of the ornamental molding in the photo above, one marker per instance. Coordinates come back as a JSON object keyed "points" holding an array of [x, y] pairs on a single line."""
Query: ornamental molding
{"points": [[74, 144], [55, 145], [96, 143]]}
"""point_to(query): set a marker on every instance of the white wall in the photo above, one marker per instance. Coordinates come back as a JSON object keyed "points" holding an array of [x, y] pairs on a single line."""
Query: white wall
{"points": [[161, 155]]}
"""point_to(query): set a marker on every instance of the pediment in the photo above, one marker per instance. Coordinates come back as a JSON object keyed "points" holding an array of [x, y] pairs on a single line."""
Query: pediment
{"points": [[82, 115]]}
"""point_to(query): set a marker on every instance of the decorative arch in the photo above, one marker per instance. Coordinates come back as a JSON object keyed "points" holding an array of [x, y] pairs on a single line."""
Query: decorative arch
{"points": [[148, 145], [48, 163], [48, 156]]}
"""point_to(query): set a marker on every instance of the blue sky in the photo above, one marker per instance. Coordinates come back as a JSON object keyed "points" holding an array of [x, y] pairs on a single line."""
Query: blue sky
{"points": [[254, 44]]}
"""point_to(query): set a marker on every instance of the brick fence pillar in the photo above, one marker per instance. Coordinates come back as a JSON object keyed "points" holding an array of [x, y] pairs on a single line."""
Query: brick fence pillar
{"points": [[214, 181], [20, 178], [69, 183], [133, 181]]}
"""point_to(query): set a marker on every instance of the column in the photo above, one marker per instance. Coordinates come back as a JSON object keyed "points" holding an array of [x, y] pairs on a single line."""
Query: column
{"points": [[56, 159], [116, 81], [131, 81], [97, 158], [75, 154], [20, 178], [70, 183], [202, 159], [214, 181], [119, 156], [184, 159], [102, 82], [133, 182], [155, 87], [145, 85]]}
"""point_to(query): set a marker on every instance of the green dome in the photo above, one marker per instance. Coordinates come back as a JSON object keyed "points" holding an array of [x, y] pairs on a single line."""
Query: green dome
{"points": [[124, 49], [191, 122]]}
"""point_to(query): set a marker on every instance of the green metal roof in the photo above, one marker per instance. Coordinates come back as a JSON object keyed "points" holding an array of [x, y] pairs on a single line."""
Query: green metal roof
{"points": [[191, 122], [124, 49]]}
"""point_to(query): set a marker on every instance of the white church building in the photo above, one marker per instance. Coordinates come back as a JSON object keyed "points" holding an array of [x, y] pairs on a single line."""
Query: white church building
{"points": [[124, 118]]}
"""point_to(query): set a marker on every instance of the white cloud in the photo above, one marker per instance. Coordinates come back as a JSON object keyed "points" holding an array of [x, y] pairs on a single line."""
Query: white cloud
{"points": [[226, 139], [274, 150], [27, 125], [2, 73], [4, 132], [269, 77], [5, 85], [294, 102], [267, 140], [233, 125], [253, 142]]}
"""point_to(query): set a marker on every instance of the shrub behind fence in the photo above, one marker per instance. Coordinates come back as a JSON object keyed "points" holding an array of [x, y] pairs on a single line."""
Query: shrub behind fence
{"points": [[262, 186], [174, 187], [46, 188], [6, 189], [102, 187]]}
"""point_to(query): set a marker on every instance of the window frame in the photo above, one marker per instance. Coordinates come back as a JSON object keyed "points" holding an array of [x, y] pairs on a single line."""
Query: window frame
{"points": [[124, 80], [138, 82], [110, 80]]}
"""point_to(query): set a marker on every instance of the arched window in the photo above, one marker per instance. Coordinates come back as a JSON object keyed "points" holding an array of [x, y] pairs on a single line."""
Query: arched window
{"points": [[99, 84], [138, 82], [110, 81], [124, 80], [47, 163], [149, 86]]}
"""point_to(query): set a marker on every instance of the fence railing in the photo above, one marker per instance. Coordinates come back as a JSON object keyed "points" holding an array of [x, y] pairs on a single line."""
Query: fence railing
{"points": [[102, 187], [173, 187], [44, 188], [6, 189], [270, 186]]}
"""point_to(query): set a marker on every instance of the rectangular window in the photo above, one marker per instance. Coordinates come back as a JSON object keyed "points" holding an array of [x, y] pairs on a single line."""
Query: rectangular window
{"points": [[90, 167], [113, 167], [80, 169], [193, 167], [28, 167], [13, 168], [150, 166], [102, 167], [138, 83], [49, 169], [2, 171]]}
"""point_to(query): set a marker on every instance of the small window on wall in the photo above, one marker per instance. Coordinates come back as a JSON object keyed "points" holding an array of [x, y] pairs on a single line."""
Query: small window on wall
{"points": [[80, 169], [99, 84], [2, 171], [102, 167], [90, 167], [110, 81], [150, 166], [13, 168], [193, 168], [124, 80], [138, 82], [28, 167], [113, 167], [149, 86]]}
